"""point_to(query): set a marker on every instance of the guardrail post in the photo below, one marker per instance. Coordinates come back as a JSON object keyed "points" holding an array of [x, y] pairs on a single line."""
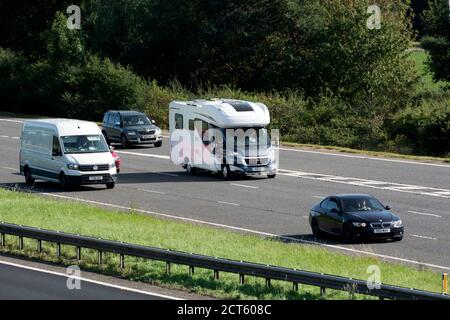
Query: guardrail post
{"points": [[78, 253], [216, 274], [322, 291], [20, 243], [295, 286], [191, 270], [268, 283], [3, 240], [167, 267], [444, 283], [100, 257], [122, 261], [58, 249], [241, 279], [39, 246]]}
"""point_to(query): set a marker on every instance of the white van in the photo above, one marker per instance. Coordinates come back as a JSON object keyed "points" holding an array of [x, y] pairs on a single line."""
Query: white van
{"points": [[68, 152], [222, 135]]}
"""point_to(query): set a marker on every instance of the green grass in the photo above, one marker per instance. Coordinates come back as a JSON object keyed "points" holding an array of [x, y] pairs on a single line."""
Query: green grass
{"points": [[73, 217], [426, 83]]}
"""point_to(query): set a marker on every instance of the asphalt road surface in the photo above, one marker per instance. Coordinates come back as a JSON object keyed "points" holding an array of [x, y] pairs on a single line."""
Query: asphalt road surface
{"points": [[23, 283], [418, 192]]}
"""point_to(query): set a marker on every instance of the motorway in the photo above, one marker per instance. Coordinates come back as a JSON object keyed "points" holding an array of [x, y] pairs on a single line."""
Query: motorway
{"points": [[19, 282], [418, 191]]}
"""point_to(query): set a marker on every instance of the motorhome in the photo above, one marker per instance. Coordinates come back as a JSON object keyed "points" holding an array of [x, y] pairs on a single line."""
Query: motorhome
{"points": [[68, 152], [224, 136]]}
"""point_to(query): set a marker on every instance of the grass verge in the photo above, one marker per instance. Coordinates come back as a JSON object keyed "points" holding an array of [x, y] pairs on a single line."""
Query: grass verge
{"points": [[31, 210]]}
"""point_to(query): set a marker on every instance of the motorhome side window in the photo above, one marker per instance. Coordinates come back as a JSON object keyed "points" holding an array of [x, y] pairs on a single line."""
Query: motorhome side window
{"points": [[56, 150], [178, 121]]}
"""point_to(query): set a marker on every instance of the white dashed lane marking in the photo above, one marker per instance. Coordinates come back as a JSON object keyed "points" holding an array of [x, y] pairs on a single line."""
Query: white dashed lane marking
{"points": [[243, 186], [383, 185], [425, 214], [229, 203], [421, 237]]}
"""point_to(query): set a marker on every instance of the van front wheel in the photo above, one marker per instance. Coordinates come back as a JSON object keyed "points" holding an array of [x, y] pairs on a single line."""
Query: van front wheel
{"points": [[63, 181], [28, 177], [110, 185]]}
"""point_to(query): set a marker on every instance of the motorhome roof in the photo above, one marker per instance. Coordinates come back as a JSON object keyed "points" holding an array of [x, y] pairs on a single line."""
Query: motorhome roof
{"points": [[227, 113], [67, 127]]}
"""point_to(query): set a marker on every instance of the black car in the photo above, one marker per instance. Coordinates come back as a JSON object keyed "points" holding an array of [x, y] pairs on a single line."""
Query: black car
{"points": [[355, 217], [130, 127]]}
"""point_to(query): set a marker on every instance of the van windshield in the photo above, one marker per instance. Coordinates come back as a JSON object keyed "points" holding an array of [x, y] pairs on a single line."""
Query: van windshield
{"points": [[84, 144]]}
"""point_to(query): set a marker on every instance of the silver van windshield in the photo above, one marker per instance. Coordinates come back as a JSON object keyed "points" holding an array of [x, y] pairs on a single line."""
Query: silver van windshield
{"points": [[84, 144]]}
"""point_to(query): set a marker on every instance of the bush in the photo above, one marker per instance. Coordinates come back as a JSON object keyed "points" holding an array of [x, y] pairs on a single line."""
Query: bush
{"points": [[425, 128]]}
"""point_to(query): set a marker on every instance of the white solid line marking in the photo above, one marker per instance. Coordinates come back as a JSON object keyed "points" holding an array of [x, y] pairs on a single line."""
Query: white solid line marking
{"points": [[229, 203], [8, 168], [366, 157], [152, 191], [260, 233], [148, 155], [243, 186], [4, 136], [105, 284], [421, 237], [425, 214]]}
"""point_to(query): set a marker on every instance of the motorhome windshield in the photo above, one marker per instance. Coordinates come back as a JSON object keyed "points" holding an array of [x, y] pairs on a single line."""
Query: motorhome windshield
{"points": [[84, 144], [136, 120], [252, 137]]}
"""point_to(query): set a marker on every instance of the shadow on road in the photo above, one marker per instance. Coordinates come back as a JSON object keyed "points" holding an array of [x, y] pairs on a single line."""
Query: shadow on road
{"points": [[325, 239]]}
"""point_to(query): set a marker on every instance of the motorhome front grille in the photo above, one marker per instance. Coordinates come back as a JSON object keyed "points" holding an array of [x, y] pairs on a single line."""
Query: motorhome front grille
{"points": [[147, 132], [257, 161], [98, 167], [379, 225]]}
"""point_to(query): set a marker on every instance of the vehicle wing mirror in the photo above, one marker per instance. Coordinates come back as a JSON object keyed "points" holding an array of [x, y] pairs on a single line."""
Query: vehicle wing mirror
{"points": [[334, 210], [56, 153], [111, 148], [388, 208], [153, 121]]}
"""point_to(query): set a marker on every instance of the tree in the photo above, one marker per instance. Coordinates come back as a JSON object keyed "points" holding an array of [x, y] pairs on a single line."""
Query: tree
{"points": [[437, 41]]}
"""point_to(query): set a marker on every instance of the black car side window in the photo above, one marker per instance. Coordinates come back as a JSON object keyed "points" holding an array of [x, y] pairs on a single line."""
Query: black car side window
{"points": [[332, 204]]}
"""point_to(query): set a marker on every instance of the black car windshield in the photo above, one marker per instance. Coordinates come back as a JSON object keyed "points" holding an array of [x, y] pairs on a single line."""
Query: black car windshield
{"points": [[136, 120], [84, 144], [361, 204]]}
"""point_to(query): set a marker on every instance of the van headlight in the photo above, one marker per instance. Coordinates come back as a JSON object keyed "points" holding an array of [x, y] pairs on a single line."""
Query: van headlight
{"points": [[397, 224], [73, 166], [112, 165]]}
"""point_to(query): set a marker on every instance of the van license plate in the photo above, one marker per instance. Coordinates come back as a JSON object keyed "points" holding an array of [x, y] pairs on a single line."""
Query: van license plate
{"points": [[95, 178], [382, 230]]}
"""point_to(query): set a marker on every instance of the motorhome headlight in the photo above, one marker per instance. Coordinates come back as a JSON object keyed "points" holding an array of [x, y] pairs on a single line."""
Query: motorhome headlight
{"points": [[397, 224], [131, 132], [73, 166]]}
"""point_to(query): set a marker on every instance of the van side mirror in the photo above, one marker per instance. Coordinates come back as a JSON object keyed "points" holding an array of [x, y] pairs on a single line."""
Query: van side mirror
{"points": [[56, 153], [388, 208]]}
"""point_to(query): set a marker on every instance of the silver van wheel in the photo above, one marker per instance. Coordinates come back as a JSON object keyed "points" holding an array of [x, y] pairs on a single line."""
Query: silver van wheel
{"points": [[226, 172], [28, 177]]}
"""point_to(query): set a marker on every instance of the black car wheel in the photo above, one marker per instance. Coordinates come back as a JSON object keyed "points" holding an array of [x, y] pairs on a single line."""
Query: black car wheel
{"points": [[28, 177], [110, 185], [158, 144], [397, 239], [315, 229]]}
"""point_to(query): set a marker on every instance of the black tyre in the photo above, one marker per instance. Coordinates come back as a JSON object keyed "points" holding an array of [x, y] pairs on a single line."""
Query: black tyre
{"points": [[315, 229], [29, 180], [226, 173], [110, 185], [397, 239], [123, 141], [271, 176], [63, 183], [158, 144]]}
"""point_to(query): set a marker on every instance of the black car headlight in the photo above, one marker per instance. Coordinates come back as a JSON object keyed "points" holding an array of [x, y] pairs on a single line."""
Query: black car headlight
{"points": [[397, 224], [359, 224]]}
